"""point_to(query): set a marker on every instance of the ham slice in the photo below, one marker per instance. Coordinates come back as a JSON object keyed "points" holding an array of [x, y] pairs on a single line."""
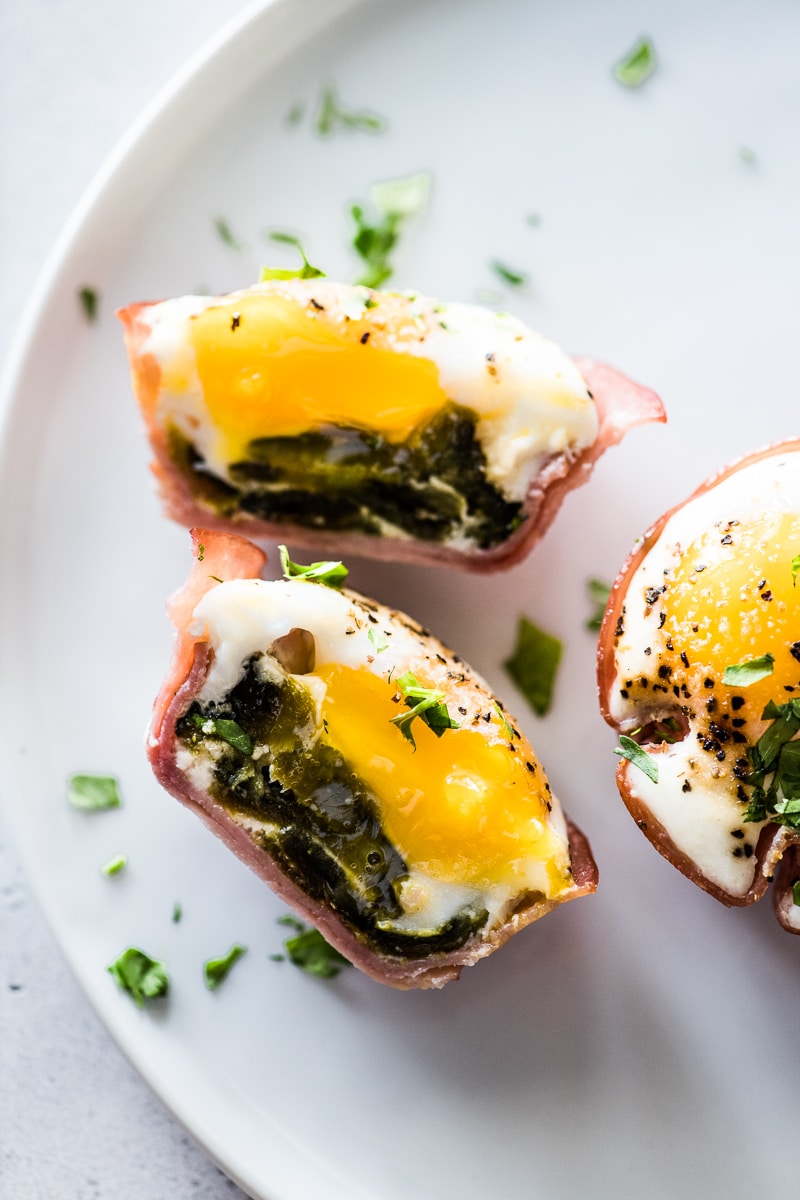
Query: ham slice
{"points": [[229, 557], [768, 850]]}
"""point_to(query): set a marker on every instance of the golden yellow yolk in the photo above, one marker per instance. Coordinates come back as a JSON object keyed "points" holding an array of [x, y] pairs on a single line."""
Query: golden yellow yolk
{"points": [[732, 598], [461, 808], [270, 368]]}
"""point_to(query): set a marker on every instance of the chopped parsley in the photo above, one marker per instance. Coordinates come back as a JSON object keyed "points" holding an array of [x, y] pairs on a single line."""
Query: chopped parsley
{"points": [[93, 793], [216, 970], [89, 299], [332, 574], [177, 912], [795, 569], [634, 753], [747, 155], [775, 763], [533, 665], [331, 115], [426, 703], [378, 640], [225, 729], [750, 671], [308, 950], [395, 200], [295, 114], [226, 235], [796, 892], [599, 591], [115, 865], [510, 730], [141, 976], [508, 275], [638, 65], [306, 271]]}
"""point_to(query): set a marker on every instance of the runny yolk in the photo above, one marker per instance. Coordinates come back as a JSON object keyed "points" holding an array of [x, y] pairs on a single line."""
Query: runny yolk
{"points": [[270, 368], [461, 808], [732, 598]]}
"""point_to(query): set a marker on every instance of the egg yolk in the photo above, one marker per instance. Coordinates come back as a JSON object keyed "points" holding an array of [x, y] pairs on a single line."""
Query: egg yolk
{"points": [[269, 368], [732, 598], [462, 808]]}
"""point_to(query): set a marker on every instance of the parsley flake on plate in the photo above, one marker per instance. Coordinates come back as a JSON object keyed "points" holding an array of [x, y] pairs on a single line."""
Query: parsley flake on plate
{"points": [[750, 671], [599, 591], [332, 574], [226, 235], [533, 665], [89, 299], [143, 977], [508, 275], [177, 912], [114, 865], [633, 752], [395, 201], [309, 951], [93, 793], [306, 271], [637, 65], [216, 970], [295, 114], [331, 115]]}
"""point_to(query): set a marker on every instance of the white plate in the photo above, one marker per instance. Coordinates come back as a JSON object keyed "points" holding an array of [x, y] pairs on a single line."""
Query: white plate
{"points": [[634, 1043]]}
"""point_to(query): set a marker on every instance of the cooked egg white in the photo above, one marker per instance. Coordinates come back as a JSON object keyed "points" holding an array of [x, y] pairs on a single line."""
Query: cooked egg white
{"points": [[286, 357], [470, 812], [716, 589]]}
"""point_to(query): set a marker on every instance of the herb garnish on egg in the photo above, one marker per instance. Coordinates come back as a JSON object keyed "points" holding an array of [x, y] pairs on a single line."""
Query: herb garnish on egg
{"points": [[332, 574], [426, 703]]}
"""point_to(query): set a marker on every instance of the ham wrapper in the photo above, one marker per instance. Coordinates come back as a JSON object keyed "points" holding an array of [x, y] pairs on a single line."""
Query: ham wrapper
{"points": [[360, 768], [358, 422], [699, 663]]}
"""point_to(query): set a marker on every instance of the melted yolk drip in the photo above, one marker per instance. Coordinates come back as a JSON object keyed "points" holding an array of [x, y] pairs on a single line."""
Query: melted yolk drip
{"points": [[269, 368], [461, 808], [731, 599]]}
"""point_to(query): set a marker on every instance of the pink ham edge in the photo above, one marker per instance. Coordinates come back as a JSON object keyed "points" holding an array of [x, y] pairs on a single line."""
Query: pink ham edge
{"points": [[621, 405], [230, 557]]}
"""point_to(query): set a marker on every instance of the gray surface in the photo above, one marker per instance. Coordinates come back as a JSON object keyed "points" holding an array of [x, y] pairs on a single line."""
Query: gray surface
{"points": [[76, 1122]]}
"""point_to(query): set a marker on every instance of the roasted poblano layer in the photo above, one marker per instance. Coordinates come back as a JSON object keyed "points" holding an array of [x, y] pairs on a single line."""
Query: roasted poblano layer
{"points": [[315, 817], [433, 487]]}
